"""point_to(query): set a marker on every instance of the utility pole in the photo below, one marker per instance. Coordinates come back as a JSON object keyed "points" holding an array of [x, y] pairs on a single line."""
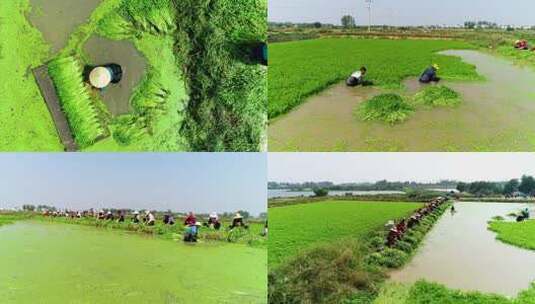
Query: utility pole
{"points": [[369, 2]]}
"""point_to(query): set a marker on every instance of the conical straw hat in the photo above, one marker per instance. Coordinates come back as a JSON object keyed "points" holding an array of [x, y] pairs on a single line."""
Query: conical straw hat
{"points": [[100, 77]]}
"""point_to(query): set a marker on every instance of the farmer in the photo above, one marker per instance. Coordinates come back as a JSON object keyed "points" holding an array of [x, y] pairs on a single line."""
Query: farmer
{"points": [[151, 220], [168, 219], [521, 44], [190, 219], [100, 77], [237, 221], [357, 77], [430, 74], [213, 221], [265, 231], [136, 218], [109, 216], [192, 232], [120, 217]]}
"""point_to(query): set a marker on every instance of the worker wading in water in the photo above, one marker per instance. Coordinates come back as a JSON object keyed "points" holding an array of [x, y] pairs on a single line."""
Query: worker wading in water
{"points": [[357, 78], [430, 74]]}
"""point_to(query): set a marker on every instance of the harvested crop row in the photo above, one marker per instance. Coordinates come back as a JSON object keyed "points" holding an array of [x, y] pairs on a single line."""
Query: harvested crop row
{"points": [[390, 108], [76, 102]]}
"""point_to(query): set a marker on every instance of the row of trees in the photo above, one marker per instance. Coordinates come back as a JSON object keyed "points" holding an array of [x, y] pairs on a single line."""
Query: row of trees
{"points": [[524, 186], [381, 185]]}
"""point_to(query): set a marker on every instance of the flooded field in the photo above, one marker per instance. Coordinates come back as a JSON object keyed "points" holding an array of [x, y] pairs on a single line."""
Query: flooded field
{"points": [[496, 115], [57, 19], [58, 262], [461, 253], [102, 51]]}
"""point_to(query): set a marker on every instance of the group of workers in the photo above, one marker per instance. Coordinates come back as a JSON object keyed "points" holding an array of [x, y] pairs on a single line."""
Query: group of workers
{"points": [[397, 231], [429, 75]]}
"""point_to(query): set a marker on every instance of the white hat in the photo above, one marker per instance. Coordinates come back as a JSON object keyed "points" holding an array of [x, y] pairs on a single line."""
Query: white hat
{"points": [[198, 224], [238, 215], [100, 77], [136, 212], [213, 214], [109, 212]]}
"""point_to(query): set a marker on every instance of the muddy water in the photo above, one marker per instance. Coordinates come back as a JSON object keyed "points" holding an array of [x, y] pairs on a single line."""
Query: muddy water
{"points": [[496, 115], [103, 51], [58, 263], [461, 253], [57, 19]]}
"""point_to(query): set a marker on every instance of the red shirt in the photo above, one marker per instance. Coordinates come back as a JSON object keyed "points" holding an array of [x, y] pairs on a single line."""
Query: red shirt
{"points": [[190, 220]]}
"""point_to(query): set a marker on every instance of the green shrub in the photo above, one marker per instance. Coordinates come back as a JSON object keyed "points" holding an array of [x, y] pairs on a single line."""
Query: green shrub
{"points": [[393, 258], [437, 95], [390, 108], [404, 246], [80, 109]]}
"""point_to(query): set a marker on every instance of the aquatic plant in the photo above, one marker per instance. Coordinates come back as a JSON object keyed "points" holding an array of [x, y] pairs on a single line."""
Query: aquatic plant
{"points": [[228, 91], [299, 69], [437, 95], [389, 108], [82, 114], [325, 222], [520, 234], [152, 16]]}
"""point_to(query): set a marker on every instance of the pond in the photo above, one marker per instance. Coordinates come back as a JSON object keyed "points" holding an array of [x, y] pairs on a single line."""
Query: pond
{"points": [[496, 115], [272, 193], [61, 262], [57, 19], [461, 253], [102, 51]]}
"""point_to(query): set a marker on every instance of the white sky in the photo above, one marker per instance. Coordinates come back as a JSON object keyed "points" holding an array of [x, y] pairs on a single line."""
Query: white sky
{"points": [[423, 167]]}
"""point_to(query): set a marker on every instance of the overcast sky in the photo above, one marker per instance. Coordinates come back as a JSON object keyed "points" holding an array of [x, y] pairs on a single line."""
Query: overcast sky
{"points": [[405, 12], [423, 167], [200, 182]]}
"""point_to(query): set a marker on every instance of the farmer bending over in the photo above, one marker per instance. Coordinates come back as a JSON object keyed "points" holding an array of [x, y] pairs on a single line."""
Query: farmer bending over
{"points": [[430, 74], [356, 78], [150, 219], [237, 221], [136, 219], [213, 221]]}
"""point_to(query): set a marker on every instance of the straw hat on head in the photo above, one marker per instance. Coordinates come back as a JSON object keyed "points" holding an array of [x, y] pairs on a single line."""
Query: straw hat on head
{"points": [[238, 215], [136, 212], [100, 77]]}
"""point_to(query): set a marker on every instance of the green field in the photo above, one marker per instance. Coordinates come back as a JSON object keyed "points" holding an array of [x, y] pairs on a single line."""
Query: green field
{"points": [[519, 234], [302, 68], [59, 263], [201, 90], [298, 227], [423, 292]]}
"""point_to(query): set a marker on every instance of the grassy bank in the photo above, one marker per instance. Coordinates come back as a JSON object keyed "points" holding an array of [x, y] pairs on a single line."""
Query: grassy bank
{"points": [[26, 122], [423, 292], [520, 234], [346, 270], [302, 68]]}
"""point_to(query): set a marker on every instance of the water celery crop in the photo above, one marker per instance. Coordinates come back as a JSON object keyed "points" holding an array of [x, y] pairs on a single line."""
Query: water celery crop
{"points": [[438, 96], [390, 108], [76, 101]]}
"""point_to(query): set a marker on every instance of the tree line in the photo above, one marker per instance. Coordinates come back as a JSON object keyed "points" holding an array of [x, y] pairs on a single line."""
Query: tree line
{"points": [[525, 186]]}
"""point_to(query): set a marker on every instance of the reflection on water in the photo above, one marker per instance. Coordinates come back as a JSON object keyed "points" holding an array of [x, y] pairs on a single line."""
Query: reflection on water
{"points": [[57, 19], [461, 253], [496, 115], [55, 262]]}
